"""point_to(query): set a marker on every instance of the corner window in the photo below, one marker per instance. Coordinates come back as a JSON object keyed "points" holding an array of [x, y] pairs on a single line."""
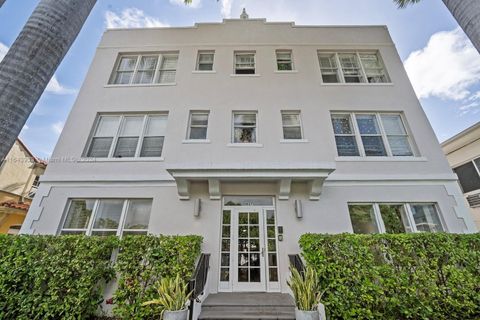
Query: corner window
{"points": [[352, 67], [127, 136], [292, 126], [371, 135], [244, 62], [244, 127], [394, 218], [469, 175], [205, 60], [198, 125], [103, 217], [284, 60], [145, 69]]}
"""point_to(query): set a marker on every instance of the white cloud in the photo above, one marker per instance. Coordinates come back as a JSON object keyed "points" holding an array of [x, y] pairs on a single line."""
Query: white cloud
{"points": [[131, 18], [195, 3], [3, 51], [446, 68], [57, 127], [227, 8]]}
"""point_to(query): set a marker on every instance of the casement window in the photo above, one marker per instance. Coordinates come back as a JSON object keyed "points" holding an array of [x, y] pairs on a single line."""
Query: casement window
{"points": [[198, 125], [244, 62], [128, 136], [205, 60], [469, 175], [394, 218], [103, 217], [244, 127], [292, 125], [284, 60], [145, 69], [371, 135], [352, 67]]}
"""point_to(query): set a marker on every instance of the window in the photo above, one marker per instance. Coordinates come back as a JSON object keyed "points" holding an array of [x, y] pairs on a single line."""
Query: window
{"points": [[284, 60], [198, 125], [145, 69], [128, 136], [292, 127], [371, 135], [394, 218], [105, 217], [352, 67], [244, 127], [244, 63], [205, 60], [468, 175]]}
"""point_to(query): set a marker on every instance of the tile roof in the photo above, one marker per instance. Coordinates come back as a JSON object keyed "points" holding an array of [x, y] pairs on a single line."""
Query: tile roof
{"points": [[15, 205]]}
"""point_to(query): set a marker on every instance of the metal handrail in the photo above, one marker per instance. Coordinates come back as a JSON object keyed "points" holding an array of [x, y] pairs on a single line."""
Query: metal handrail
{"points": [[297, 262], [196, 285]]}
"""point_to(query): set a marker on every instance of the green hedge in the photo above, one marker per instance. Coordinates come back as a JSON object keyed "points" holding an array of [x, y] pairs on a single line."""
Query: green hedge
{"points": [[142, 261], [404, 276]]}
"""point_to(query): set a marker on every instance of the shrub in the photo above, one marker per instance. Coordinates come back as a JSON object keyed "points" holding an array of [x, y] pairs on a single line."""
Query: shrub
{"points": [[142, 261], [48, 277], [402, 276]]}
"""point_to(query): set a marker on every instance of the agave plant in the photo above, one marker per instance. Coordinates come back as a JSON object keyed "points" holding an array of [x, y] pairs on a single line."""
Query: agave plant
{"points": [[305, 288], [172, 294]]}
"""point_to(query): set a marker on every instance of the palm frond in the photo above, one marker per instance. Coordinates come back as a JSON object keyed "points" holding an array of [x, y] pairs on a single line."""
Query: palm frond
{"points": [[405, 3]]}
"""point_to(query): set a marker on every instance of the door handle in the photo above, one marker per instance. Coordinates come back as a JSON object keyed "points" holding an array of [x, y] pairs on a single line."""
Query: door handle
{"points": [[263, 252]]}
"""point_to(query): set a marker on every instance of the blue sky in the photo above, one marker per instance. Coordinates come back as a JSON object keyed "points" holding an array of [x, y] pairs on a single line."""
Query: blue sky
{"points": [[441, 62]]}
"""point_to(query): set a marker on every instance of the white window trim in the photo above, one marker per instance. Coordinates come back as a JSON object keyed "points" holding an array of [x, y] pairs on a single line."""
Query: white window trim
{"points": [[248, 144], [111, 152], [300, 120], [197, 64], [189, 126], [291, 60], [383, 134], [240, 53]]}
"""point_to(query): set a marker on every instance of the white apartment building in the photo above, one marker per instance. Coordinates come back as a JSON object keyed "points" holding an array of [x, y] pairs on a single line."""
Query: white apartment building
{"points": [[250, 134]]}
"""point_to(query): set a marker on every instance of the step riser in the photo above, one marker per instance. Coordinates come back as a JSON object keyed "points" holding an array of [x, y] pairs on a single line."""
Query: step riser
{"points": [[236, 309]]}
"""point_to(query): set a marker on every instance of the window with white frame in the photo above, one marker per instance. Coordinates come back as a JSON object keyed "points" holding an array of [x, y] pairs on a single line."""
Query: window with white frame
{"points": [[371, 134], [284, 60], [128, 136], [198, 125], [244, 62], [244, 127], [394, 217], [103, 217], [205, 60], [145, 68], [469, 175], [292, 125], [352, 67]]}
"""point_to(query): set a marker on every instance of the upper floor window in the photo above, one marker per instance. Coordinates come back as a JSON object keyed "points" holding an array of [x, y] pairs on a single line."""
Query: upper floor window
{"points": [[107, 216], [352, 67], [128, 136], [469, 175], [198, 125], [205, 60], [292, 126], [371, 134], [395, 218], [145, 69], [284, 60], [244, 127], [244, 62]]}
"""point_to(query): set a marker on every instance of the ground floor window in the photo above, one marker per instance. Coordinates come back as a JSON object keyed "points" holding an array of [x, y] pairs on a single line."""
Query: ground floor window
{"points": [[394, 217], [107, 216]]}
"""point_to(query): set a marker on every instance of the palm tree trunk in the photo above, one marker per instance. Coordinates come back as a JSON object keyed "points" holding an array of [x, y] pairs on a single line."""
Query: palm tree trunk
{"points": [[32, 60], [467, 14]]}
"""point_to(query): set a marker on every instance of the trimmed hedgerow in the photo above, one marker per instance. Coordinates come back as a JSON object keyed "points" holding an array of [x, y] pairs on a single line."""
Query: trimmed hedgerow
{"points": [[402, 276], [49, 277], [142, 261]]}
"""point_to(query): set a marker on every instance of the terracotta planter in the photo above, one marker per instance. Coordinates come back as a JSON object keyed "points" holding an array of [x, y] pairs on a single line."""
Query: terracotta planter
{"points": [[306, 315], [175, 315]]}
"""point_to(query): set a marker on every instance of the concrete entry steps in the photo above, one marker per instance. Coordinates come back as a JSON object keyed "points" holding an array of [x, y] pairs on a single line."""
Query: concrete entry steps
{"points": [[248, 306]]}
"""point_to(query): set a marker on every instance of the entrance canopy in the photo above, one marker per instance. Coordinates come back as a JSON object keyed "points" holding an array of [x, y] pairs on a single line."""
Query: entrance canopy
{"points": [[313, 174]]}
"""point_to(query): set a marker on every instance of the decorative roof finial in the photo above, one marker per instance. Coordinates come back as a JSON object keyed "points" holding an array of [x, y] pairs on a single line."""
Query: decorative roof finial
{"points": [[244, 15]]}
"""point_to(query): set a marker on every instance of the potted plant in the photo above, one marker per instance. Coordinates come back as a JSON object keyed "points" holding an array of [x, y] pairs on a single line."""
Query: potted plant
{"points": [[305, 288], [172, 298]]}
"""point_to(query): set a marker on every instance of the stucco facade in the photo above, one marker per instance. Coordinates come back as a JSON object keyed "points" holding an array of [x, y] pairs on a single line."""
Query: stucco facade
{"points": [[306, 173]]}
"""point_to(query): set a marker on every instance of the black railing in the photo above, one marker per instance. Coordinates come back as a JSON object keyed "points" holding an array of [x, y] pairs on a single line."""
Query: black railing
{"points": [[196, 285], [296, 262]]}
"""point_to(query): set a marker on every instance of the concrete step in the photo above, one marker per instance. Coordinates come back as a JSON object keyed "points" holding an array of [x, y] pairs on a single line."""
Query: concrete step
{"points": [[248, 306]]}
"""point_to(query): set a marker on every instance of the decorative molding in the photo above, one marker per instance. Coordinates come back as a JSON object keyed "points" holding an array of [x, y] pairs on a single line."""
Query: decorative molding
{"points": [[284, 189], [214, 189], [316, 187], [183, 187], [461, 210]]}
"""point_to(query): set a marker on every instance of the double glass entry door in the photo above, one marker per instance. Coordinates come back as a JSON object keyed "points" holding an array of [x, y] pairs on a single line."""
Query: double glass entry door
{"points": [[249, 249]]}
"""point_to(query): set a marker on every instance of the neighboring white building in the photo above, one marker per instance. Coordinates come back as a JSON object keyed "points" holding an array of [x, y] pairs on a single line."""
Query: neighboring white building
{"points": [[463, 154], [250, 134]]}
